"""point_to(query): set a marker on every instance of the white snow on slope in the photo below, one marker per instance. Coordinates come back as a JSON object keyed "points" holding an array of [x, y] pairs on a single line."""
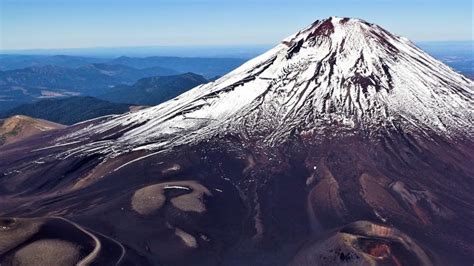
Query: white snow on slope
{"points": [[337, 70]]}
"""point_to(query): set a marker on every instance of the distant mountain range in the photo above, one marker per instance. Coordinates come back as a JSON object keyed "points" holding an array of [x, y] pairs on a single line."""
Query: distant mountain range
{"points": [[456, 54], [213, 51], [154, 90], [121, 99], [12, 61], [207, 67], [87, 79], [33, 83], [28, 78]]}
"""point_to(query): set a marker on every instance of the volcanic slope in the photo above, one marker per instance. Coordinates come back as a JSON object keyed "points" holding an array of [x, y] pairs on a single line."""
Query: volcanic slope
{"points": [[337, 70], [343, 144]]}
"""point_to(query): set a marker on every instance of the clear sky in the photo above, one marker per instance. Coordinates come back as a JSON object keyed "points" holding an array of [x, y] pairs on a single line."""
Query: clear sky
{"points": [[28, 24]]}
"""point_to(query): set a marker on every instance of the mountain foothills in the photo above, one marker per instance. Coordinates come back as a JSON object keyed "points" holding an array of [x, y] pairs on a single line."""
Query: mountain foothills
{"points": [[342, 145], [68, 111], [208, 67], [154, 90], [30, 78], [20, 127], [24, 85], [120, 99]]}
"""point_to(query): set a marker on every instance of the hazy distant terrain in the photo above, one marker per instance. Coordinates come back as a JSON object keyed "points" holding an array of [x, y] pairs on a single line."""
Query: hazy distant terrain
{"points": [[458, 55], [205, 66], [51, 81], [154, 90], [120, 99], [87, 79], [228, 51], [28, 78]]}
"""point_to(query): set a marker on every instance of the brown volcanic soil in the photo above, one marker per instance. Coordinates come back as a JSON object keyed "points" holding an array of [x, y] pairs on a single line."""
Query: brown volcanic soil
{"points": [[391, 199], [19, 127]]}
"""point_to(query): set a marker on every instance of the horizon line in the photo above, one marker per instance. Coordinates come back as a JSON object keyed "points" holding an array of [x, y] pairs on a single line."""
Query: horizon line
{"points": [[184, 46]]}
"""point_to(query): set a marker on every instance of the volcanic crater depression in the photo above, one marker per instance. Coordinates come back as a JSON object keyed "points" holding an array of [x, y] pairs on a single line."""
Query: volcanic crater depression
{"points": [[344, 144]]}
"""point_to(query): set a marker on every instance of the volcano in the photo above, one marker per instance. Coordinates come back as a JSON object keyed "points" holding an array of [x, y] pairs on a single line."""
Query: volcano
{"points": [[343, 145]]}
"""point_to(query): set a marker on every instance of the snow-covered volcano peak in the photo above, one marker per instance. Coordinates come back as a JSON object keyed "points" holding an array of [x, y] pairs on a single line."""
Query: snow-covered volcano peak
{"points": [[336, 71], [339, 30]]}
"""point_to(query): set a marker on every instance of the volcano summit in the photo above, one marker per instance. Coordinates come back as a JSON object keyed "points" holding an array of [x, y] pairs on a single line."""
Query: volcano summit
{"points": [[344, 144]]}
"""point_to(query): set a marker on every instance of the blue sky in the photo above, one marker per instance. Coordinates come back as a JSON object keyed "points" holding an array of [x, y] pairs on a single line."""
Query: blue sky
{"points": [[28, 24]]}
